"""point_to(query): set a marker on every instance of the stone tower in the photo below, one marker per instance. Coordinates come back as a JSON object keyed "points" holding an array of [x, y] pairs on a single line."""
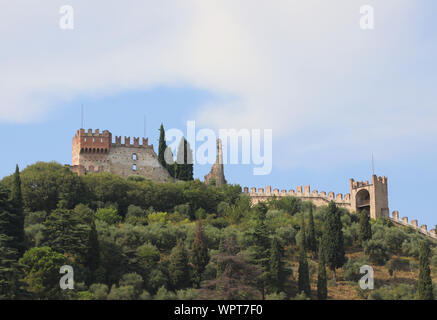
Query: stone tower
{"points": [[370, 196], [217, 173]]}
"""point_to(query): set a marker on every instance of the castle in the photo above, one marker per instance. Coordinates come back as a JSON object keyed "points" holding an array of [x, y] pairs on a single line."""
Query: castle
{"points": [[363, 195], [96, 152]]}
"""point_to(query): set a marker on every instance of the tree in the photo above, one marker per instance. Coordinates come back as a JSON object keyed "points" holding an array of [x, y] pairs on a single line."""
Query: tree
{"points": [[41, 268], [66, 233], [333, 239], [261, 244], [9, 269], [377, 251], [311, 237], [424, 286], [239, 277], [17, 223], [178, 267], [92, 258], [365, 228], [277, 272], [303, 273], [199, 254], [162, 146], [184, 166], [322, 285], [108, 215], [48, 185]]}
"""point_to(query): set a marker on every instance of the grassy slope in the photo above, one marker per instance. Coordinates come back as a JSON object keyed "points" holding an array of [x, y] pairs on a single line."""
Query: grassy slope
{"points": [[346, 290]]}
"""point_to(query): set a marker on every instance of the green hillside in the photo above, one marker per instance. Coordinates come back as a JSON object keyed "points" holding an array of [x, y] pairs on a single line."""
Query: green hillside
{"points": [[136, 239]]}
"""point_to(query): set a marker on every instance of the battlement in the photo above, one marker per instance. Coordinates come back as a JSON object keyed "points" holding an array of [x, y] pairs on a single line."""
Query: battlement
{"points": [[304, 193], [414, 224], [375, 180], [135, 144]]}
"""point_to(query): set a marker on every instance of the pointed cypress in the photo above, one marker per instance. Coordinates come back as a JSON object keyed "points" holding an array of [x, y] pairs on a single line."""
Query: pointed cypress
{"points": [[303, 273], [333, 239], [199, 254], [365, 228], [311, 237], [424, 287], [322, 285], [277, 271], [162, 146], [17, 223]]}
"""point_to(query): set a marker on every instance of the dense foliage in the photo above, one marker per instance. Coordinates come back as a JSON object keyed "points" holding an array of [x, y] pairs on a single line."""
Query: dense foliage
{"points": [[137, 239]]}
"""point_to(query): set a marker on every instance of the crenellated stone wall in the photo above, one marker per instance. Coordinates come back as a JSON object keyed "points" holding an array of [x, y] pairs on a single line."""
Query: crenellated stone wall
{"points": [[96, 152], [319, 199], [364, 195], [414, 224]]}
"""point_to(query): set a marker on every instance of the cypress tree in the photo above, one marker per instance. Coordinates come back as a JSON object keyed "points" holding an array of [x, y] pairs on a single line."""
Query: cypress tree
{"points": [[93, 252], [261, 247], [322, 285], [8, 253], [303, 236], [365, 228], [333, 239], [162, 146], [17, 222], [199, 254], [303, 273], [424, 287], [178, 267], [9, 270], [277, 271], [184, 169], [311, 237]]}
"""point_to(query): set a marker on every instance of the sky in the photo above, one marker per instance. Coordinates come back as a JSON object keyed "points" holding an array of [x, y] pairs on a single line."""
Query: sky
{"points": [[331, 93]]}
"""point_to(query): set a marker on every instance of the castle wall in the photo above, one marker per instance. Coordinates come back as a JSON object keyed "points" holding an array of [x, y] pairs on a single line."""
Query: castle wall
{"points": [[121, 161], [95, 152], [318, 199]]}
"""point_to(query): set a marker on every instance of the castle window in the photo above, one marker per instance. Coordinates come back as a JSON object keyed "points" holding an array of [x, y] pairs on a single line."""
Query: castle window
{"points": [[134, 167], [134, 156]]}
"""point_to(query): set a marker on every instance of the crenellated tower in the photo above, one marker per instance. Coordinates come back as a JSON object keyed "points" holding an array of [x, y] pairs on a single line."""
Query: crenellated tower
{"points": [[372, 196]]}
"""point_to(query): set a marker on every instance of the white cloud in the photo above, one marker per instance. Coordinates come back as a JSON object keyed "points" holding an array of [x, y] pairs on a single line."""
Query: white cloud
{"points": [[302, 68]]}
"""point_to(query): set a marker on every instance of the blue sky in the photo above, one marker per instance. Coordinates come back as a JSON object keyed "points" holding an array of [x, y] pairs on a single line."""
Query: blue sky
{"points": [[332, 93]]}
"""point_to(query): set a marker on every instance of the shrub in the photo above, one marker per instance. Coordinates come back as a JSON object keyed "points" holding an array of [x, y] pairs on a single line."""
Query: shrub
{"points": [[394, 239], [108, 215], [277, 296], [398, 264], [99, 291], [37, 217], [399, 292], [122, 293], [352, 271], [377, 251], [164, 294]]}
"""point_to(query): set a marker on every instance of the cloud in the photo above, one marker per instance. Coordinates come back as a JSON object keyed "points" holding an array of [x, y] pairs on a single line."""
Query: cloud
{"points": [[303, 68]]}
